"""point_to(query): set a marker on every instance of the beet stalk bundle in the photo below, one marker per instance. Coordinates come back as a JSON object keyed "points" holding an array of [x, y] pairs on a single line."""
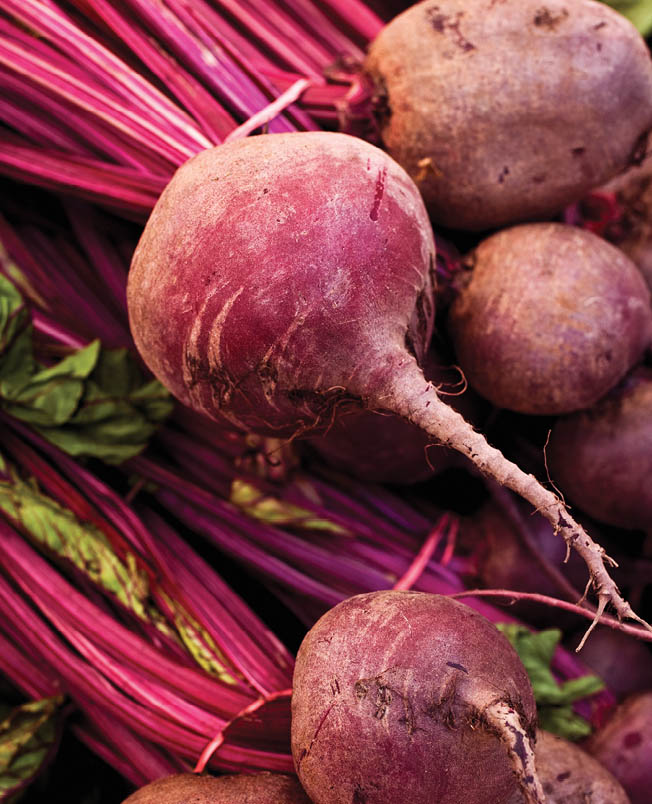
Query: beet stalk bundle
{"points": [[97, 124]]}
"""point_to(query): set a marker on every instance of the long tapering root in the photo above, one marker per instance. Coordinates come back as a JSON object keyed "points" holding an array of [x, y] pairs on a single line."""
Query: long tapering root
{"points": [[417, 401]]}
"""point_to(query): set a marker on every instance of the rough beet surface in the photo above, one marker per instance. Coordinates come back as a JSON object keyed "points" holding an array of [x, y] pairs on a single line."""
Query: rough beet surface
{"points": [[392, 698], [632, 233], [506, 111], [257, 245], [551, 317], [190, 788]]}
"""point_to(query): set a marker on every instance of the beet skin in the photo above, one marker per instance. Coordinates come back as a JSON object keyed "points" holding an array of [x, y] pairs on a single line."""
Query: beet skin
{"points": [[507, 110], [392, 701], [571, 776], [242, 788], [624, 746], [549, 319], [259, 245], [601, 458]]}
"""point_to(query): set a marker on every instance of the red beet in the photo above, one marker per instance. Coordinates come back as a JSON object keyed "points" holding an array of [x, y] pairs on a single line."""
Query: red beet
{"points": [[190, 788], [507, 110], [601, 458], [406, 696], [624, 746], [283, 277], [549, 318]]}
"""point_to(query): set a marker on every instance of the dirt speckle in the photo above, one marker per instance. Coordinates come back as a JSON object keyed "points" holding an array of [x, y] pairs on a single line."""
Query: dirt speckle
{"points": [[544, 18], [449, 26]]}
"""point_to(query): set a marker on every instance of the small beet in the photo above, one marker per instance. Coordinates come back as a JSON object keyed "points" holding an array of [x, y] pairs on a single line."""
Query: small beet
{"points": [[549, 318], [571, 776], [406, 696], [624, 746], [601, 458], [190, 788]]}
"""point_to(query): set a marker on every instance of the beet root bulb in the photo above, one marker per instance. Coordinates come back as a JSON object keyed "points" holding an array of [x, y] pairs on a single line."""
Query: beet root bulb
{"points": [[284, 277], [549, 318], [406, 696], [507, 111]]}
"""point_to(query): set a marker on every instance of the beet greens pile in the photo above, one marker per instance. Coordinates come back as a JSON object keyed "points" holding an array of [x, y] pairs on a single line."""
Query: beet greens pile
{"points": [[160, 568]]}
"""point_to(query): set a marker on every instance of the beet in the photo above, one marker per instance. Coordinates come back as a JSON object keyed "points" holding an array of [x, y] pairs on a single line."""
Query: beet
{"points": [[571, 776], [601, 458], [283, 278], [190, 788], [624, 746], [549, 318], [508, 110], [383, 448], [407, 696]]}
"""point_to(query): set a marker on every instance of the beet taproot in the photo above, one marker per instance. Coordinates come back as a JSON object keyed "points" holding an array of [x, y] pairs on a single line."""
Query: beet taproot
{"points": [[549, 318], [384, 448], [571, 776], [407, 696], [507, 111], [601, 458], [282, 278], [242, 788]]}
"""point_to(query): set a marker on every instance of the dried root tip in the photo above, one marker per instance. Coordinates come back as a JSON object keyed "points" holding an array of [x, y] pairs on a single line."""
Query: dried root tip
{"points": [[504, 719]]}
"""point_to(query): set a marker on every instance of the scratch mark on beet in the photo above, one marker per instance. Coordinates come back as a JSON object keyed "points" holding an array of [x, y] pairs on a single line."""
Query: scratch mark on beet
{"points": [[457, 667], [561, 777], [306, 751], [380, 190]]}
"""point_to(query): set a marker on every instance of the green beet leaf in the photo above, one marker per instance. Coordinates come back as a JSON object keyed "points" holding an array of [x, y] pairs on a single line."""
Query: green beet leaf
{"points": [[93, 403], [554, 699], [28, 736]]}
